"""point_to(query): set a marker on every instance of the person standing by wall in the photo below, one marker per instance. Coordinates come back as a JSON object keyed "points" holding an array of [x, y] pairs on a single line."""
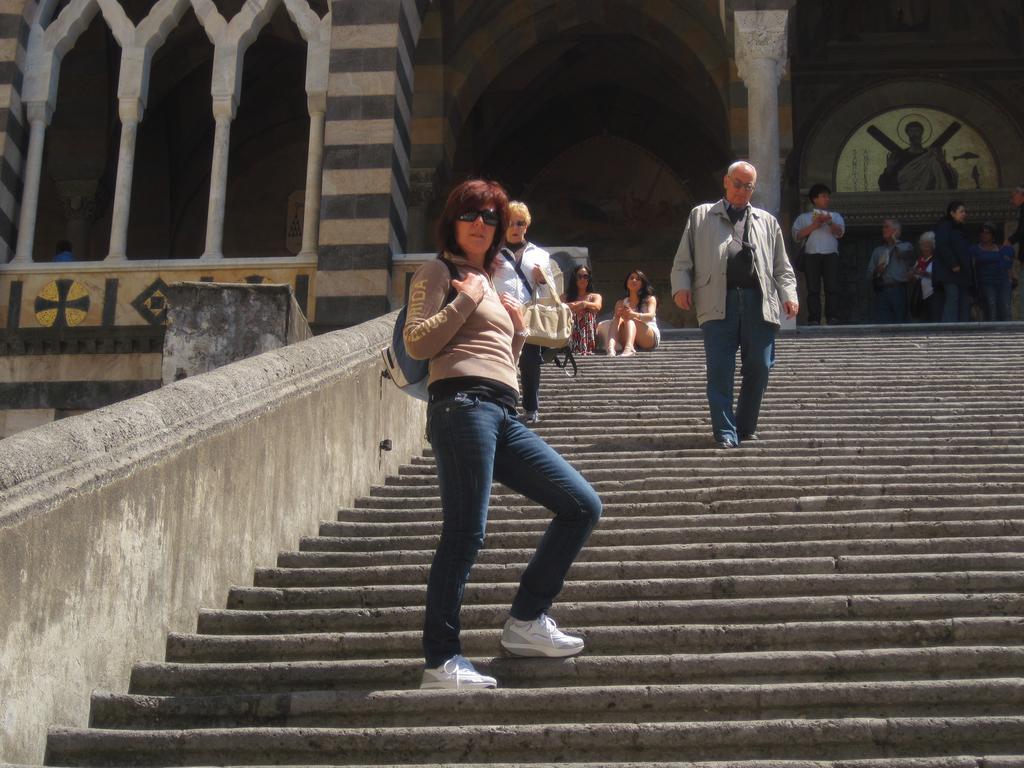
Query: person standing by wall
{"points": [[891, 265], [818, 232], [992, 265], [952, 264], [472, 343], [520, 271], [731, 267]]}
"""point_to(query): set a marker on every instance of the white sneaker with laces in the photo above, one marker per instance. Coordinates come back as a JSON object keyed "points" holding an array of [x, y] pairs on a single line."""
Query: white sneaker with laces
{"points": [[456, 673], [540, 637]]}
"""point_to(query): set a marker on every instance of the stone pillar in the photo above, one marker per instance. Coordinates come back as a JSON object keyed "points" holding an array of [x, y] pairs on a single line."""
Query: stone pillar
{"points": [[314, 175], [80, 201], [761, 60], [39, 116], [223, 114], [423, 191], [130, 111]]}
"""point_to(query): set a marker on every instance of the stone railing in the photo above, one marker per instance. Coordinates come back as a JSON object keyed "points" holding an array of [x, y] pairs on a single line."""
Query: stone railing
{"points": [[116, 525]]}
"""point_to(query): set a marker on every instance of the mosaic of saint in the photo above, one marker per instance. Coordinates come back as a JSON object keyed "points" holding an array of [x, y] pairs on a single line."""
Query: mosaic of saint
{"points": [[915, 149]]}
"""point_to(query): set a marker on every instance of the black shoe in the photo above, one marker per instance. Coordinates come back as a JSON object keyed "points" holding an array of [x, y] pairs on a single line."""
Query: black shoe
{"points": [[725, 444], [749, 436]]}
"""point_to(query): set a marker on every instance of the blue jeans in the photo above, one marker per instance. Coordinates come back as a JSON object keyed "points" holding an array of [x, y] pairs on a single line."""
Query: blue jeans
{"points": [[476, 441], [890, 304], [957, 306], [745, 329], [995, 300]]}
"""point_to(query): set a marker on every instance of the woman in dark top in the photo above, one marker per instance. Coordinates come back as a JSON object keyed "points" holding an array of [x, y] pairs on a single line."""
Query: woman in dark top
{"points": [[992, 264], [951, 268], [473, 343]]}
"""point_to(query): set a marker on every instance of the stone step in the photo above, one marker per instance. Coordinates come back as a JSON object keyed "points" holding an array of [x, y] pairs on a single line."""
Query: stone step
{"points": [[699, 439], [690, 535], [612, 640], [656, 458], [961, 492], [746, 506], [419, 522], [594, 704], [956, 761], [376, 596], [626, 467], [782, 549], [825, 477], [789, 738], [628, 612], [484, 573], [934, 663]]}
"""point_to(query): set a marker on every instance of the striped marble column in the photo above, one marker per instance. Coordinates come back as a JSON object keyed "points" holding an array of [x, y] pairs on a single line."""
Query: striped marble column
{"points": [[366, 156], [13, 129]]}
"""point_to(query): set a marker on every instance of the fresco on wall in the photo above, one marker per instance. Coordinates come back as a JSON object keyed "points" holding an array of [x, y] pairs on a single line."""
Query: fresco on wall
{"points": [[914, 149], [627, 206]]}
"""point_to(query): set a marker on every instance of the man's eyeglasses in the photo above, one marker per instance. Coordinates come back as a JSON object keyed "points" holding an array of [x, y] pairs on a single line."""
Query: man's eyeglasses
{"points": [[489, 215], [749, 186]]}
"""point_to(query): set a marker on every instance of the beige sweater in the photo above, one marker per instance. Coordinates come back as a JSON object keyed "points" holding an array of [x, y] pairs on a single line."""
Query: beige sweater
{"points": [[463, 338]]}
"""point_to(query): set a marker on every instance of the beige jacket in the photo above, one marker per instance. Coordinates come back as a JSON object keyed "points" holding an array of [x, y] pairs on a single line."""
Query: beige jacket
{"points": [[701, 259], [462, 338]]}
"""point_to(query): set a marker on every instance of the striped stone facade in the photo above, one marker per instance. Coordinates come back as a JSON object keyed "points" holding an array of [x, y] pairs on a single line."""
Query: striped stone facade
{"points": [[367, 149], [13, 136]]}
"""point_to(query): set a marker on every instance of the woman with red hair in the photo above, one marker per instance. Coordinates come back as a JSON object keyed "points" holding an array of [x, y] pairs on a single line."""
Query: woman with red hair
{"points": [[473, 338]]}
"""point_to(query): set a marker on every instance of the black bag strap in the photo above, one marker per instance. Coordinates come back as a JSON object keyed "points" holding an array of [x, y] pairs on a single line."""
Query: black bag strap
{"points": [[510, 257], [564, 364], [453, 274]]}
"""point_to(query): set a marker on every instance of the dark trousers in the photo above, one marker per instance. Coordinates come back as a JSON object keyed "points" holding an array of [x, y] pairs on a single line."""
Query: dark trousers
{"points": [[743, 328], [820, 267], [995, 300], [956, 304], [889, 305], [530, 361], [475, 442]]}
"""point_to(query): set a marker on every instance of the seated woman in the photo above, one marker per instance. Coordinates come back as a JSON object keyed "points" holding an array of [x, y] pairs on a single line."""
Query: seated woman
{"points": [[585, 304], [635, 324]]}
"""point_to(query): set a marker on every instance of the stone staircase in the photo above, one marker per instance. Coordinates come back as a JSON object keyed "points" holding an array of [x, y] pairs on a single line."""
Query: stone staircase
{"points": [[848, 591]]}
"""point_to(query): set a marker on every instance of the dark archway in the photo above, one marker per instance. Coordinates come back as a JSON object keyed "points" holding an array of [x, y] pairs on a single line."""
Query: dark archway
{"points": [[610, 143]]}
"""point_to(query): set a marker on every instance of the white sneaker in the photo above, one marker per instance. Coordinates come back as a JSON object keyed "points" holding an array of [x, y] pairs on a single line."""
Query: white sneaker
{"points": [[540, 637], [456, 673]]}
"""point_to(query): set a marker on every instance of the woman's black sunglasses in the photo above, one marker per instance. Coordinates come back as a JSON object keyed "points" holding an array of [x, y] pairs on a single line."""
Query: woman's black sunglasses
{"points": [[489, 215]]}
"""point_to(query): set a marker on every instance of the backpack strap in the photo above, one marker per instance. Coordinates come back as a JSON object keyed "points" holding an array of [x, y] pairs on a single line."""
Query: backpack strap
{"points": [[453, 274], [507, 254]]}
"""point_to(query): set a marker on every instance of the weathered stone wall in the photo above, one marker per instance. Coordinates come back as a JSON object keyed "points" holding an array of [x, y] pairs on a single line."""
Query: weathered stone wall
{"points": [[213, 324], [115, 526]]}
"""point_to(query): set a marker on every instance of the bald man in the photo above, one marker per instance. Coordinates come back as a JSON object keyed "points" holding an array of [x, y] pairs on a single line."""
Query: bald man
{"points": [[732, 267]]}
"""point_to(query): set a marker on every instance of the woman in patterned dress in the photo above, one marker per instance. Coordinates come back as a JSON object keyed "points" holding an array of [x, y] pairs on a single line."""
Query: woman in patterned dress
{"points": [[585, 304]]}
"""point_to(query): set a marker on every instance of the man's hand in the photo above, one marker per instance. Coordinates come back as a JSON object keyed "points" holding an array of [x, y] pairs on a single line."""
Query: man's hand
{"points": [[538, 275], [682, 299], [792, 308]]}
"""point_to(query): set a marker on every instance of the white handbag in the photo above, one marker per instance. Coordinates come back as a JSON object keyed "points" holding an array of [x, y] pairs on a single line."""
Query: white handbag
{"points": [[548, 321]]}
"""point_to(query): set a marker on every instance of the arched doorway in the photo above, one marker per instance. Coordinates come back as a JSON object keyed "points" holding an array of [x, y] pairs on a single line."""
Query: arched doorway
{"points": [[609, 123]]}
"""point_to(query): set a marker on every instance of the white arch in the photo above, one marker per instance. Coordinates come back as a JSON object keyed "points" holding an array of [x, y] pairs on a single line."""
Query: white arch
{"points": [[47, 47]]}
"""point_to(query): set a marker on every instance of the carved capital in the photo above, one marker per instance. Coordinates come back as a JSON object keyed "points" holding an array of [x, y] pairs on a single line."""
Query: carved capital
{"points": [[423, 186], [81, 200], [761, 44]]}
